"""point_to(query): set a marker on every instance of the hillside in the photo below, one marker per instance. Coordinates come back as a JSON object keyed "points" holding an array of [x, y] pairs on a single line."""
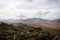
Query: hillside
{"points": [[48, 23], [22, 31], [57, 21]]}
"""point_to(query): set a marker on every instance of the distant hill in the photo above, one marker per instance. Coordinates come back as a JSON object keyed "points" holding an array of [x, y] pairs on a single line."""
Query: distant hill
{"points": [[32, 20], [57, 21], [53, 23], [35, 20], [48, 23]]}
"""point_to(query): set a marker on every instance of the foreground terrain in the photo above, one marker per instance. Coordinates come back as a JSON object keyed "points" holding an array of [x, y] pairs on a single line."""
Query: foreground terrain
{"points": [[27, 32]]}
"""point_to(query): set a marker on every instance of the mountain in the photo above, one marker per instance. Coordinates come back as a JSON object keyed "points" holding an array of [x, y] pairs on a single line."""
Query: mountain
{"points": [[35, 20], [57, 21], [48, 23], [32, 20], [53, 24]]}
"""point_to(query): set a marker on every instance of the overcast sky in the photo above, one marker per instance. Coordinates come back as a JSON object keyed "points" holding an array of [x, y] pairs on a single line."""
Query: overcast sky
{"points": [[22, 9]]}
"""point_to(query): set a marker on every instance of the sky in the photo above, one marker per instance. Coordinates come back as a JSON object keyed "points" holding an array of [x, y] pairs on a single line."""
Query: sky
{"points": [[24, 9]]}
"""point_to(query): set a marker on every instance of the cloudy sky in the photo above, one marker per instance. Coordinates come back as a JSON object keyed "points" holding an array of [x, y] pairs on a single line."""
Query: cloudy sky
{"points": [[22, 9]]}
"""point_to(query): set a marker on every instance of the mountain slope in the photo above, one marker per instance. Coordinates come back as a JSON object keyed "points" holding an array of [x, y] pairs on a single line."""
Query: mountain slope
{"points": [[57, 21], [48, 23], [53, 24]]}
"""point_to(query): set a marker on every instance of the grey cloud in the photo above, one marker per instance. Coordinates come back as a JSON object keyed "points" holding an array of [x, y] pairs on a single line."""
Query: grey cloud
{"points": [[29, 6], [42, 14], [3, 4], [22, 16], [54, 3], [29, 0], [32, 4]]}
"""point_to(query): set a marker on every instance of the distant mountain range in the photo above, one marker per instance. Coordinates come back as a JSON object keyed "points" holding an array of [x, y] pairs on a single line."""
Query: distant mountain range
{"points": [[39, 20], [57, 21], [47, 23], [35, 20], [32, 20]]}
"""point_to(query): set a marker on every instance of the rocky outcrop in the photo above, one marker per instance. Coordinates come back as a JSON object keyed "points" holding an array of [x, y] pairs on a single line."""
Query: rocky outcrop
{"points": [[25, 32]]}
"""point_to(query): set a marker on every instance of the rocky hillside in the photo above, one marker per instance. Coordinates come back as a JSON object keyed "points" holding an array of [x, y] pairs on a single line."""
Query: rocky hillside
{"points": [[25, 32]]}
